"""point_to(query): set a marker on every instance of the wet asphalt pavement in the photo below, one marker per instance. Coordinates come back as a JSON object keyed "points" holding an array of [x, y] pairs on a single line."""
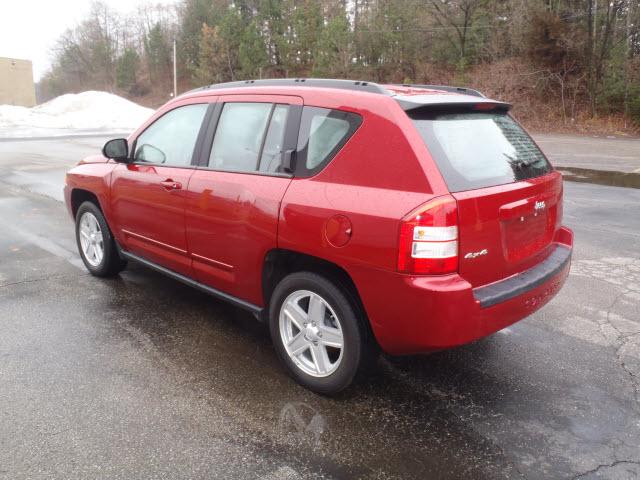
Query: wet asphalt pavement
{"points": [[143, 377], [618, 154]]}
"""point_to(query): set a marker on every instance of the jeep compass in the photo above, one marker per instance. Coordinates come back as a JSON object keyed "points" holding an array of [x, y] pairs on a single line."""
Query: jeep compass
{"points": [[352, 217]]}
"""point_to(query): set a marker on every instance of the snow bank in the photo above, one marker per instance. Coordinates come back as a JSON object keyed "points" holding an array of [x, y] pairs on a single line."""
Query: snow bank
{"points": [[73, 113]]}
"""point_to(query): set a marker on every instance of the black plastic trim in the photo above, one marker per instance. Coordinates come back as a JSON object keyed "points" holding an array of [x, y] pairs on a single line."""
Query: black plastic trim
{"points": [[256, 310], [529, 279], [293, 127], [252, 172], [207, 141], [202, 134]]}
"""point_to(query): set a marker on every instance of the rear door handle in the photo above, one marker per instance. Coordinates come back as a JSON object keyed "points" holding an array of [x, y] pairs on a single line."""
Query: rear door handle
{"points": [[169, 184]]}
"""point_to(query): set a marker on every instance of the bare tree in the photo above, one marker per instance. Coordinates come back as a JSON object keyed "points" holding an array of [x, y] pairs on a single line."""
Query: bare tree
{"points": [[456, 16]]}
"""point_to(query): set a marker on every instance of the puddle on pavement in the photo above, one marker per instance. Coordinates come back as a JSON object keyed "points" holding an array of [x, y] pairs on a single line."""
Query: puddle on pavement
{"points": [[601, 177]]}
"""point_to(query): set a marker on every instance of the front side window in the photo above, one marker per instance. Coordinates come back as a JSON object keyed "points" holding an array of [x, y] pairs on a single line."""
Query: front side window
{"points": [[323, 133], [477, 150], [239, 136], [170, 140]]}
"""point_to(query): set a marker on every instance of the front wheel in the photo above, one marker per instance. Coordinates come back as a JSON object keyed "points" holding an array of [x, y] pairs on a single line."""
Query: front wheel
{"points": [[95, 243], [317, 333]]}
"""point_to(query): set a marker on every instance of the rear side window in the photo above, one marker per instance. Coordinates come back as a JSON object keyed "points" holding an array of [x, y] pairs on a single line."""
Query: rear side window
{"points": [[323, 132], [239, 134], [477, 150]]}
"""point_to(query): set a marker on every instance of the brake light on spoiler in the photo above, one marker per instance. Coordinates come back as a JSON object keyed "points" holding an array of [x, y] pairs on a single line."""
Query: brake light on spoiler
{"points": [[428, 243]]}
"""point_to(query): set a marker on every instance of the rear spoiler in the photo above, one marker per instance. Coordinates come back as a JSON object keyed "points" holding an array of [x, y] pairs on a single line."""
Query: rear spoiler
{"points": [[450, 102], [440, 98], [445, 88]]}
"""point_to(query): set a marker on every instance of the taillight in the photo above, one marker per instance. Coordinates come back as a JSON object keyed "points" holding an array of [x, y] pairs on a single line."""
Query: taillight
{"points": [[429, 238]]}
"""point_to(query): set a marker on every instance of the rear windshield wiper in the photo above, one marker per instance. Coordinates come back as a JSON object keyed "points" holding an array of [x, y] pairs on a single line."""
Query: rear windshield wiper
{"points": [[517, 162]]}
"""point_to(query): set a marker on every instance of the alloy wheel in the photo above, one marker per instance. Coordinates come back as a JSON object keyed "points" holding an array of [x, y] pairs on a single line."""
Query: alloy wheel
{"points": [[91, 239], [311, 333]]}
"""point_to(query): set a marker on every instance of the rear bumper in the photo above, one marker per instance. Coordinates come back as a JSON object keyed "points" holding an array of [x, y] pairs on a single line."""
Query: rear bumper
{"points": [[421, 314], [513, 287]]}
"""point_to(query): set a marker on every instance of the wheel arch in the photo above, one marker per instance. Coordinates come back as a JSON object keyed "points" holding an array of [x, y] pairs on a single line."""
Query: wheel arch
{"points": [[278, 263], [79, 196]]}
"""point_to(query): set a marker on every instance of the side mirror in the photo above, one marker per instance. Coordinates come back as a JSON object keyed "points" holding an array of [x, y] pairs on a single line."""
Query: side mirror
{"points": [[116, 149]]}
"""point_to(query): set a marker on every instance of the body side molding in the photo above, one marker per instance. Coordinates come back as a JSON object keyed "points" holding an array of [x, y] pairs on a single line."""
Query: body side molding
{"points": [[255, 309]]}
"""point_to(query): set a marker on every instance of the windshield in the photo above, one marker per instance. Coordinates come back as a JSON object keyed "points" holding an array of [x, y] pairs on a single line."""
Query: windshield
{"points": [[477, 150]]}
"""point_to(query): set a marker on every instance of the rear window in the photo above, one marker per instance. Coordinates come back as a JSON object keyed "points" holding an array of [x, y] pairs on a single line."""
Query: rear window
{"points": [[477, 150]]}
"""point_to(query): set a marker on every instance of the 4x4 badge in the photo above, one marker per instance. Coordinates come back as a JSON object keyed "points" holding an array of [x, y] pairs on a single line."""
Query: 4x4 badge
{"points": [[484, 251], [539, 205]]}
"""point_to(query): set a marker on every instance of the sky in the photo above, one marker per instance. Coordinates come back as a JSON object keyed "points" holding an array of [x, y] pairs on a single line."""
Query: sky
{"points": [[29, 28]]}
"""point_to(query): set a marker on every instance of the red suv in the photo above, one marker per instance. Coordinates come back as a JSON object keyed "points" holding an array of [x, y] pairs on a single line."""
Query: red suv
{"points": [[350, 216]]}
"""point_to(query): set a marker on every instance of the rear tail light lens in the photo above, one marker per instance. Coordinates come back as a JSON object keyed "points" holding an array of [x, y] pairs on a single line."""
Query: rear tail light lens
{"points": [[428, 242]]}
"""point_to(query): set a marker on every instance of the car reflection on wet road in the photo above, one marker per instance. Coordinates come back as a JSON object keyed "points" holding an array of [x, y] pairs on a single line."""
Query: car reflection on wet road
{"points": [[141, 376]]}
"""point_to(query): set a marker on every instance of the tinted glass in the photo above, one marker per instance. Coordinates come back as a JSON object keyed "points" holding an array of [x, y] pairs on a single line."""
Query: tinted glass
{"points": [[476, 150], [239, 135], [170, 140], [272, 151], [323, 132]]}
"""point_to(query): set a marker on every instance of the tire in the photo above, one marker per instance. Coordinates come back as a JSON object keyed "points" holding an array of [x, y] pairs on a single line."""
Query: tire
{"points": [[301, 349], [96, 245]]}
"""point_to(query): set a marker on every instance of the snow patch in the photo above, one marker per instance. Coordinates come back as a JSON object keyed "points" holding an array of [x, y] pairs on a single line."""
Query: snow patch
{"points": [[73, 113]]}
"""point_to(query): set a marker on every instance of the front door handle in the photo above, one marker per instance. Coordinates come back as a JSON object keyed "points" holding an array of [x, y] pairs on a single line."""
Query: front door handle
{"points": [[169, 184]]}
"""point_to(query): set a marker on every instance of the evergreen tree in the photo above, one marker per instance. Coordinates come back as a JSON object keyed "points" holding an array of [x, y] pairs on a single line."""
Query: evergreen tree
{"points": [[126, 69]]}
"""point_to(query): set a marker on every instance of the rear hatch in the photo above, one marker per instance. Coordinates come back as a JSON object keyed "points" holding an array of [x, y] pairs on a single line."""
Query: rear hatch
{"points": [[508, 196]]}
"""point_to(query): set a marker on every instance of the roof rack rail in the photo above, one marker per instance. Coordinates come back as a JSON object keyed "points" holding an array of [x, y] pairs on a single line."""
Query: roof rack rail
{"points": [[462, 90], [356, 85]]}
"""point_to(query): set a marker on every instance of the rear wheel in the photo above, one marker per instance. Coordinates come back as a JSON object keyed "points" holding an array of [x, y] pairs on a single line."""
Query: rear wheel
{"points": [[317, 333], [95, 243]]}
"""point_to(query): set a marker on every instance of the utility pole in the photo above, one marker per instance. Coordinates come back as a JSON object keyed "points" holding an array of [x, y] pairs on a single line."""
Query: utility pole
{"points": [[593, 24], [627, 60], [175, 76]]}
